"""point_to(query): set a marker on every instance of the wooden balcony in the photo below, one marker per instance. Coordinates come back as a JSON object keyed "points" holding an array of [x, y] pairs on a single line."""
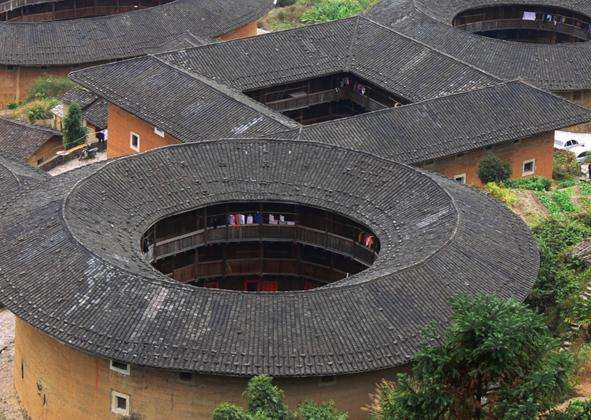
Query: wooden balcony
{"points": [[573, 27], [261, 233]]}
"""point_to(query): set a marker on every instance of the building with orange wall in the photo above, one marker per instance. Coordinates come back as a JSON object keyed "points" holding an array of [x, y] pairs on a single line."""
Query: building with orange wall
{"points": [[29, 143], [52, 38], [103, 333], [345, 83]]}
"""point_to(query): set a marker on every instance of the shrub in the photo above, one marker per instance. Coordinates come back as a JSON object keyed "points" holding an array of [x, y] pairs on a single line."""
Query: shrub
{"points": [[36, 110], [576, 410], [504, 195], [565, 165], [309, 410], [585, 188], [534, 183], [564, 201], [227, 411], [12, 106], [49, 87], [263, 396], [327, 10], [74, 132], [567, 183], [493, 169]]}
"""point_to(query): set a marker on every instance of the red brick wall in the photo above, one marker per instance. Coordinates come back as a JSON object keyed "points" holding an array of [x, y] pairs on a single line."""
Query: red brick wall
{"points": [[121, 124], [540, 148]]}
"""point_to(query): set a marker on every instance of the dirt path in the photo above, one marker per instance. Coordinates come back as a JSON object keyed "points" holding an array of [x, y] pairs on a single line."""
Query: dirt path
{"points": [[9, 407]]}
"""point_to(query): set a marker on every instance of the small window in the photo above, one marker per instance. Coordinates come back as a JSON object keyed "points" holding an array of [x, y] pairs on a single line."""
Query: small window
{"points": [[460, 178], [185, 376], [22, 370], [120, 367], [119, 403], [159, 132], [134, 141], [328, 380], [529, 167], [577, 96]]}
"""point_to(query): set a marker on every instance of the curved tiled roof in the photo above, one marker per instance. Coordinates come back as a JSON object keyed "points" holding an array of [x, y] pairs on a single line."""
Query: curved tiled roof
{"points": [[179, 24], [437, 239], [556, 67], [19, 140]]}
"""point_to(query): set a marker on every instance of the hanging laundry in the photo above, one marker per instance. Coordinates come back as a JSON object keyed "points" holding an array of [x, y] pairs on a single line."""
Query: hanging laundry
{"points": [[249, 219], [529, 16], [258, 218]]}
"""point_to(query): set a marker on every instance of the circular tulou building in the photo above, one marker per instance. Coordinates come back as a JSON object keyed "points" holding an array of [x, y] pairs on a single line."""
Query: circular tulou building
{"points": [[546, 42], [54, 37], [155, 285]]}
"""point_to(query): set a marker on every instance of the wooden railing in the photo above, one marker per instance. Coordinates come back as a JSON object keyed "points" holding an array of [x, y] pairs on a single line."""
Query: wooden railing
{"points": [[325, 96], [578, 28], [244, 233], [259, 267]]}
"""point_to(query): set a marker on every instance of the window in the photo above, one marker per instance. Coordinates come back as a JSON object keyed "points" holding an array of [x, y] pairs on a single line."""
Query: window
{"points": [[159, 132], [119, 367], [185, 376], [328, 380], [134, 141], [460, 178], [529, 167], [119, 403]]}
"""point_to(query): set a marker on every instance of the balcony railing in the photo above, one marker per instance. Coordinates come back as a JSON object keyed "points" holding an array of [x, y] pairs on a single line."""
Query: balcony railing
{"points": [[264, 232], [572, 27]]}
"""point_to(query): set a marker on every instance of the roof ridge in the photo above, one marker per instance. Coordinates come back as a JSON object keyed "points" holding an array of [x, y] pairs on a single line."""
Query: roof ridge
{"points": [[30, 126], [232, 94], [349, 57], [432, 48]]}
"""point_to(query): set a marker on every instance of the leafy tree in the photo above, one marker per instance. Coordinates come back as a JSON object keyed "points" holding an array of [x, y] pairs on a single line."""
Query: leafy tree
{"points": [[562, 276], [74, 133], [49, 87], [496, 359], [493, 169], [263, 396], [309, 410], [565, 165]]}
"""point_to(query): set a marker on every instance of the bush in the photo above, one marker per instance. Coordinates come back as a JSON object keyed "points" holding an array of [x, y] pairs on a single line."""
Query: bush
{"points": [[37, 110], [504, 195], [533, 183], [12, 106], [74, 132], [263, 396], [565, 165], [564, 201], [576, 410], [49, 87], [310, 410], [493, 169], [327, 10], [227, 411]]}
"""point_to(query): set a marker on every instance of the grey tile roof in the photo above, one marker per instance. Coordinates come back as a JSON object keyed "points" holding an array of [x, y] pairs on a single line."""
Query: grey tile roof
{"points": [[437, 238], [179, 24], [196, 94], [391, 60], [187, 106], [18, 140], [559, 67], [450, 125]]}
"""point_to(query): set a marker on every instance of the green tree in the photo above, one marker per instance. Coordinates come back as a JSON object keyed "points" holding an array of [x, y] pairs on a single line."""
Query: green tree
{"points": [[309, 410], [227, 411], [74, 133], [263, 396], [327, 10], [565, 165], [496, 359], [493, 169]]}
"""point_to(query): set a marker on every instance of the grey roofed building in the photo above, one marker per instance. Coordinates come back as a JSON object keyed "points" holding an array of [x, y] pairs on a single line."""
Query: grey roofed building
{"points": [[178, 24], [198, 93], [561, 67], [19, 140], [437, 239], [94, 108]]}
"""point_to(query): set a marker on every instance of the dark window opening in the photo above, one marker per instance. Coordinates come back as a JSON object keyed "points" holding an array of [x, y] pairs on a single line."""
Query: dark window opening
{"points": [[186, 376], [326, 98], [121, 403]]}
